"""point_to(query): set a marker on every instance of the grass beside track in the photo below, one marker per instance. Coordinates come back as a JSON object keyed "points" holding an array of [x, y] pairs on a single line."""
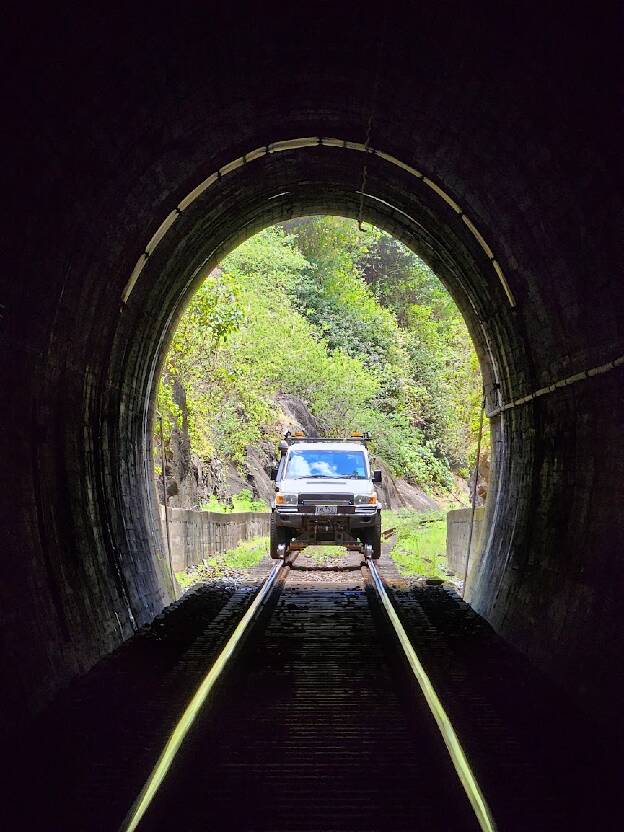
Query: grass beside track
{"points": [[247, 554], [420, 547], [419, 550], [324, 554]]}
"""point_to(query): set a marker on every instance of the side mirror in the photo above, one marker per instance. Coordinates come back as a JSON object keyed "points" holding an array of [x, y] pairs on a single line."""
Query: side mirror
{"points": [[376, 476], [273, 473]]}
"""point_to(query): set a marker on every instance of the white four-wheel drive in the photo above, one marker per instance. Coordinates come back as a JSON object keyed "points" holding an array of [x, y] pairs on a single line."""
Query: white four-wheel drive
{"points": [[325, 495]]}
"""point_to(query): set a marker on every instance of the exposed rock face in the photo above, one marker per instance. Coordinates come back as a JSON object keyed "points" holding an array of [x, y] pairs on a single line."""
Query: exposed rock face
{"points": [[255, 474], [181, 475], [296, 416], [190, 482], [397, 493], [260, 460]]}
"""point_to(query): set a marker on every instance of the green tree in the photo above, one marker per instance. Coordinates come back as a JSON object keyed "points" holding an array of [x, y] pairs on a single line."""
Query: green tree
{"points": [[354, 324]]}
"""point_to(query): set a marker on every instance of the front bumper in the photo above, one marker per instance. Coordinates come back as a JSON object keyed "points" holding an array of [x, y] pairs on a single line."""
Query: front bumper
{"points": [[351, 517]]}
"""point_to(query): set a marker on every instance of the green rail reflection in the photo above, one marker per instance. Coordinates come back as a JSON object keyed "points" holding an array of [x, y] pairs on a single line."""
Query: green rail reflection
{"points": [[176, 738], [451, 740]]}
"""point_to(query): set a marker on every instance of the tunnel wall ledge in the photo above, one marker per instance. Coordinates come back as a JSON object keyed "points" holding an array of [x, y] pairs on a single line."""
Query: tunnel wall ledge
{"points": [[195, 535], [457, 534]]}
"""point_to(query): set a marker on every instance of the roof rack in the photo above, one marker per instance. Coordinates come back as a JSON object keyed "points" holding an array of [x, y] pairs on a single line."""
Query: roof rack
{"points": [[299, 436]]}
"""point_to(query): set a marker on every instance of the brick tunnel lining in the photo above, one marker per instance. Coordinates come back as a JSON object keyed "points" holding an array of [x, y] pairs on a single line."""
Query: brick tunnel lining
{"points": [[94, 183]]}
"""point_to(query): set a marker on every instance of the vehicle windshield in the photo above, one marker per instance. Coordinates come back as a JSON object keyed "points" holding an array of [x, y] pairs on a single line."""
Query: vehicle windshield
{"points": [[322, 463]]}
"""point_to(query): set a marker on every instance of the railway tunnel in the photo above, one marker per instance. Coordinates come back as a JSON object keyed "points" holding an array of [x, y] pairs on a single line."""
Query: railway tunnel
{"points": [[141, 148]]}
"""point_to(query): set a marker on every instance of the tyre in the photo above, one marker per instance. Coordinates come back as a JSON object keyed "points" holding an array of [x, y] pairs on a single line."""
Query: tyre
{"points": [[372, 536], [277, 537]]}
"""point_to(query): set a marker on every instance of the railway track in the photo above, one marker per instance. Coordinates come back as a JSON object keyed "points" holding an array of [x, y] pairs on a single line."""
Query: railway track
{"points": [[316, 714]]}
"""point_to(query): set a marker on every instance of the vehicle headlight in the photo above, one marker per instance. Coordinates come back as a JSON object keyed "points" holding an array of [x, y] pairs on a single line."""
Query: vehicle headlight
{"points": [[286, 499], [365, 500]]}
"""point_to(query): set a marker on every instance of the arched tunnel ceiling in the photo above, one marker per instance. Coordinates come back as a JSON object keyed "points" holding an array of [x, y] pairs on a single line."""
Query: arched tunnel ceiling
{"points": [[321, 176], [116, 120]]}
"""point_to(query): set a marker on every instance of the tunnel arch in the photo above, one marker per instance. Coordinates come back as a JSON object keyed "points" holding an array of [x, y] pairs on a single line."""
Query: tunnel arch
{"points": [[305, 181], [498, 111]]}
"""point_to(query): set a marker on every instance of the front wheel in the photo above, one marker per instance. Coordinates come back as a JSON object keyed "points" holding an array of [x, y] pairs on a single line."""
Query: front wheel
{"points": [[278, 536], [372, 537]]}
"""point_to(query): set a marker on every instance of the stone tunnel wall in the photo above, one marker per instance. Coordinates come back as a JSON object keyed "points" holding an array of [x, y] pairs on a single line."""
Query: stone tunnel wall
{"points": [[113, 120], [195, 535], [457, 535]]}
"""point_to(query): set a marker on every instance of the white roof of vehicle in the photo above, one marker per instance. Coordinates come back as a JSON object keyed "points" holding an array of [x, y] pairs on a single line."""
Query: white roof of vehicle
{"points": [[328, 446]]}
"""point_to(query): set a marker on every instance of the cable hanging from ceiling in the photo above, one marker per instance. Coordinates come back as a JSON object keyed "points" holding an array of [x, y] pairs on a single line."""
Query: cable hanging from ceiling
{"points": [[371, 118]]}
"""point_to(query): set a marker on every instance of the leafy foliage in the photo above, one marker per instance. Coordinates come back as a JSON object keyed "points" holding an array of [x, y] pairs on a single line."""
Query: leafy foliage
{"points": [[354, 324], [420, 547], [243, 501], [246, 555]]}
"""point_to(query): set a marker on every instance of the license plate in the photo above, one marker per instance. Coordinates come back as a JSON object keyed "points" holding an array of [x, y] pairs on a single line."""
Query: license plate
{"points": [[326, 509]]}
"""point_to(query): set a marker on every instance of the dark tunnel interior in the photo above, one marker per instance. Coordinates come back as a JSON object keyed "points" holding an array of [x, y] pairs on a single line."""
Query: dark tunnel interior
{"points": [[140, 148]]}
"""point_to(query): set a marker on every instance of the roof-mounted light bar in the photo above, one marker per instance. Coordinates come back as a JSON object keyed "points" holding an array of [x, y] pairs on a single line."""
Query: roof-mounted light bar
{"points": [[299, 436]]}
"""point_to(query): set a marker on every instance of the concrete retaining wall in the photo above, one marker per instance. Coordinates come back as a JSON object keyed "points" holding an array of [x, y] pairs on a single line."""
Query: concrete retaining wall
{"points": [[457, 532], [196, 535]]}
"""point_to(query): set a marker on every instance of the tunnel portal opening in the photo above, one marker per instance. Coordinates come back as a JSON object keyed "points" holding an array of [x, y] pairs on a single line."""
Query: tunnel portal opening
{"points": [[109, 510], [276, 183], [319, 326]]}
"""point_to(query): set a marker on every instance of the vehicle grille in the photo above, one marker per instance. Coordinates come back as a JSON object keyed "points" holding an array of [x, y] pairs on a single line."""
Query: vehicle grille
{"points": [[326, 499]]}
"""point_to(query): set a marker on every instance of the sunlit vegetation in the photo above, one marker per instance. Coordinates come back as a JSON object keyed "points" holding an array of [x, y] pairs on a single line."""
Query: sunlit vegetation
{"points": [[420, 543], [243, 501], [419, 550], [325, 555], [354, 324], [246, 555]]}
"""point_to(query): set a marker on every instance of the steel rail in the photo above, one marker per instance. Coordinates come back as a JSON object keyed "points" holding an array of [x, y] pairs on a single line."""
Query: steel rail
{"points": [[184, 724], [451, 740]]}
